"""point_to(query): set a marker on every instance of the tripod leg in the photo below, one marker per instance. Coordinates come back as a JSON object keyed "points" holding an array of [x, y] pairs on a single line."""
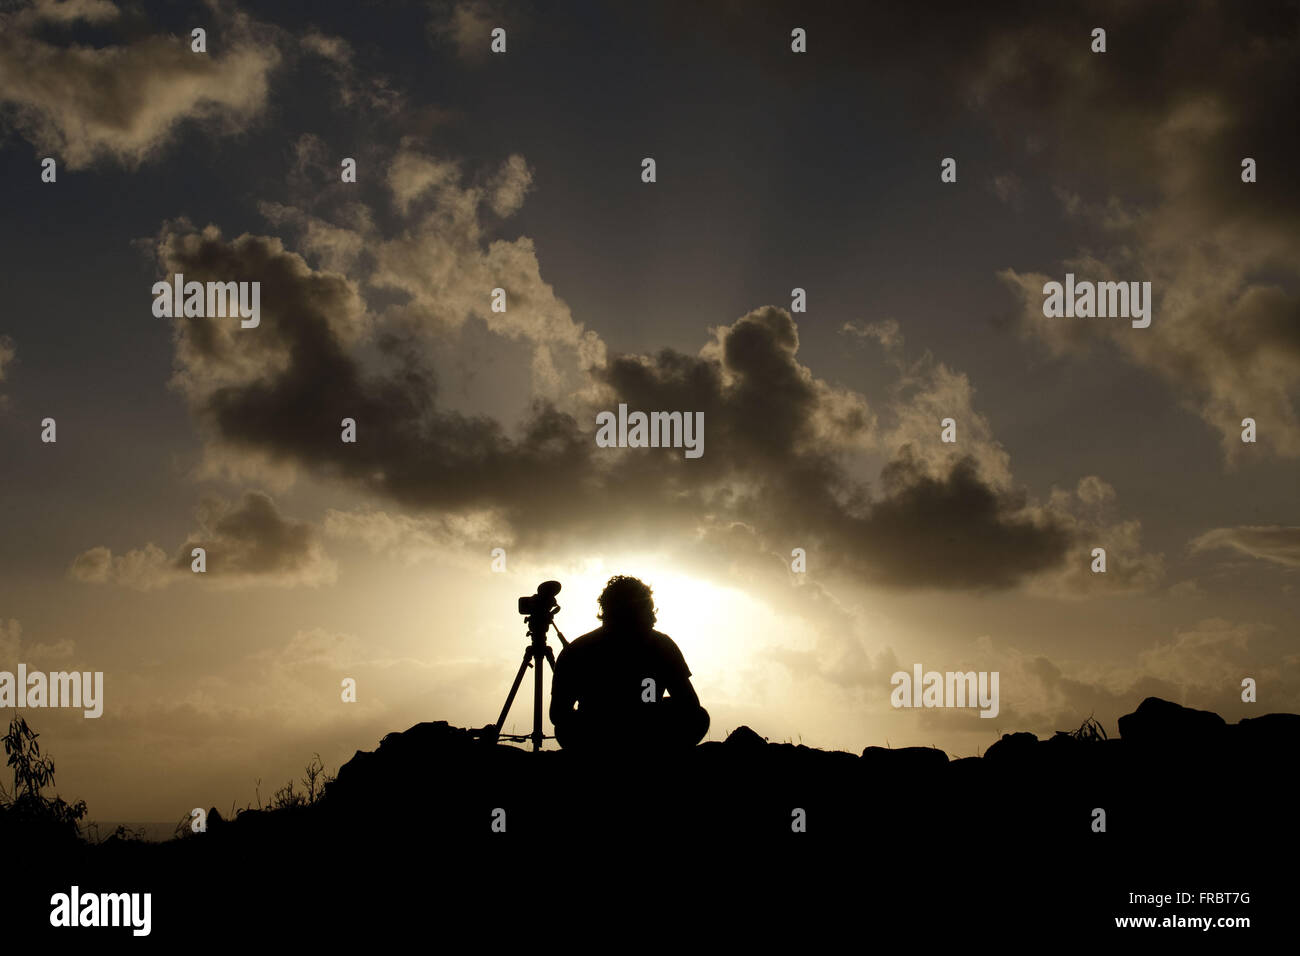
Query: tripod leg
{"points": [[514, 689], [537, 701]]}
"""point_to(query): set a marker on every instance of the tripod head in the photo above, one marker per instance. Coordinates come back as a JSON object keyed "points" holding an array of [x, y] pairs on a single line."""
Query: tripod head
{"points": [[540, 610]]}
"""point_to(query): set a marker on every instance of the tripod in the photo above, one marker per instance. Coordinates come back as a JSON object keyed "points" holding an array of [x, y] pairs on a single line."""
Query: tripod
{"points": [[538, 650]]}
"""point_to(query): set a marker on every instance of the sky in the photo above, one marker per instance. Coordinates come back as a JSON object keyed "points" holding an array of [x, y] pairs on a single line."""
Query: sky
{"points": [[522, 170]]}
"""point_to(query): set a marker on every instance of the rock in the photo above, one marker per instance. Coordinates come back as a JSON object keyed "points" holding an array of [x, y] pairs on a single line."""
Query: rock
{"points": [[429, 737], [251, 819], [1161, 723], [965, 769], [905, 759], [1015, 747], [1275, 734], [745, 738]]}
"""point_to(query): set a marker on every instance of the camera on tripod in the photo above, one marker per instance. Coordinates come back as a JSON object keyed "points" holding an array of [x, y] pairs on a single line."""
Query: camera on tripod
{"points": [[539, 614], [542, 604]]}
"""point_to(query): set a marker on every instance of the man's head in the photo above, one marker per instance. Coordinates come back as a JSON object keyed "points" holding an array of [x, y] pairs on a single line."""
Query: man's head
{"points": [[627, 602]]}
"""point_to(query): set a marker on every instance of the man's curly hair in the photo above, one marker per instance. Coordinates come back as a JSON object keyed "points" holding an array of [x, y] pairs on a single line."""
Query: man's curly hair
{"points": [[626, 599]]}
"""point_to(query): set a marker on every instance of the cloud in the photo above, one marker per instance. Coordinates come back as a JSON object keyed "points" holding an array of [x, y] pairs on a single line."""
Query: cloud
{"points": [[7, 352], [1008, 188], [10, 638], [778, 439], [975, 473], [411, 175], [1280, 545], [1200, 665], [141, 569], [775, 429], [507, 189], [940, 515], [846, 665], [262, 392], [14, 650], [1231, 347], [1147, 170], [368, 91], [70, 11], [441, 264], [956, 531], [123, 103], [887, 332], [1172, 127], [1086, 514], [314, 648], [927, 392], [468, 25], [784, 448], [924, 394], [247, 545], [415, 538], [1211, 657]]}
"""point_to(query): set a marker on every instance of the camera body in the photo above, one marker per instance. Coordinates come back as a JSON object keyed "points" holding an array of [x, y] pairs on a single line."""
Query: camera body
{"points": [[543, 602], [539, 608], [533, 604]]}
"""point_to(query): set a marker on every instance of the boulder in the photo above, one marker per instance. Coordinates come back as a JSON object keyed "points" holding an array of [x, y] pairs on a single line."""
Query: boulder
{"points": [[1013, 747], [1162, 723], [905, 759], [745, 738], [1275, 733]]}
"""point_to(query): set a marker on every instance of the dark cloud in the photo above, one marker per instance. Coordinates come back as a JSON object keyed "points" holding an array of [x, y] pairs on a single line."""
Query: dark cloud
{"points": [[775, 436], [253, 540], [437, 268], [956, 532], [284, 388], [1142, 144], [250, 544], [1167, 116], [780, 443], [768, 421]]}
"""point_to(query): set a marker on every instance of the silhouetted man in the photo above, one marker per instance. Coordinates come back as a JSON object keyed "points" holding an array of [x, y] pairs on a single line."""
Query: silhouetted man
{"points": [[629, 683]]}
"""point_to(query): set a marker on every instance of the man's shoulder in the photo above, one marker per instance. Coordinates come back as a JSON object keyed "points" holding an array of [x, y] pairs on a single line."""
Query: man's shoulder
{"points": [[669, 654], [585, 642], [665, 643]]}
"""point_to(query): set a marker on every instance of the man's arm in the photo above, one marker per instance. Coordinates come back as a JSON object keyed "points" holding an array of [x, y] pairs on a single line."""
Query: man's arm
{"points": [[679, 684], [684, 692], [562, 699]]}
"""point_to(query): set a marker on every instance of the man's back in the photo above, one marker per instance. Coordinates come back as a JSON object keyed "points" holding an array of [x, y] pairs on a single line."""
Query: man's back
{"points": [[604, 671]]}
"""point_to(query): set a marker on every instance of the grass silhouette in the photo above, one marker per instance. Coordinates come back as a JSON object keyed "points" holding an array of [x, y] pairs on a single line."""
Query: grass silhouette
{"points": [[33, 771]]}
